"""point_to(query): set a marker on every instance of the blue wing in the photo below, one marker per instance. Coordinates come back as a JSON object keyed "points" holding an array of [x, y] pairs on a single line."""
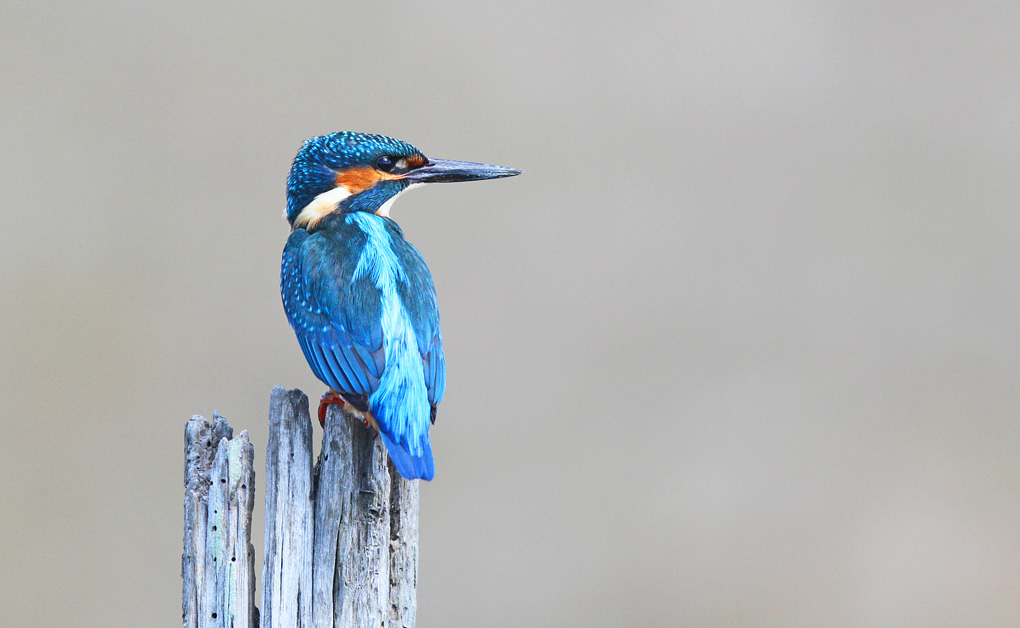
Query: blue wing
{"points": [[337, 318], [419, 298]]}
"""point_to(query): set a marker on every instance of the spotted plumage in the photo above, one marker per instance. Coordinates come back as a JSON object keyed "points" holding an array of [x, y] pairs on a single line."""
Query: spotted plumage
{"points": [[358, 295]]}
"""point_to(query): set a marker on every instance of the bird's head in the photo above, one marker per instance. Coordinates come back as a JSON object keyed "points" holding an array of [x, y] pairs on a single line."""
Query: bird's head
{"points": [[349, 172]]}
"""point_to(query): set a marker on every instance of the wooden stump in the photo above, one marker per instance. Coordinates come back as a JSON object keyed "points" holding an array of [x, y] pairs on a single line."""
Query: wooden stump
{"points": [[218, 565], [341, 542]]}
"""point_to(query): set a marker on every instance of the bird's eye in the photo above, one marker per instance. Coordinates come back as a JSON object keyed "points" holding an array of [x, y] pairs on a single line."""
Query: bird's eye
{"points": [[384, 163]]}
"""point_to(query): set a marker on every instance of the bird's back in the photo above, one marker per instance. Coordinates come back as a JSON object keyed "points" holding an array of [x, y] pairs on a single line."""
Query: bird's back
{"points": [[362, 303]]}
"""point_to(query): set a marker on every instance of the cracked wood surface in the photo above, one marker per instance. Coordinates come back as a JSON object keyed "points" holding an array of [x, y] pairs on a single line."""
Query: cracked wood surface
{"points": [[218, 564], [341, 540]]}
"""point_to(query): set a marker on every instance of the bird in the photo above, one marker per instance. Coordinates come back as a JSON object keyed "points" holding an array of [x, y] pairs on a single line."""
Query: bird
{"points": [[358, 295]]}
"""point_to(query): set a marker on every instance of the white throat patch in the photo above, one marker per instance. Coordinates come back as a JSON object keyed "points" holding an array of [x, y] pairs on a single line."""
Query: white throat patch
{"points": [[321, 206]]}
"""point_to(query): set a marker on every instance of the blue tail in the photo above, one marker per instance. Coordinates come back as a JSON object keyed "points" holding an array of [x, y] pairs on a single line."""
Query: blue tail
{"points": [[411, 467]]}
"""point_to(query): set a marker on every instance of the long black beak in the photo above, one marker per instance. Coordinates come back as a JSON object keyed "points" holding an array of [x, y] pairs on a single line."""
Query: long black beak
{"points": [[448, 171]]}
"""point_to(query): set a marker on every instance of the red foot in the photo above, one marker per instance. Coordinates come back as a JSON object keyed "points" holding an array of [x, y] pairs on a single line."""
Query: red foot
{"points": [[328, 398]]}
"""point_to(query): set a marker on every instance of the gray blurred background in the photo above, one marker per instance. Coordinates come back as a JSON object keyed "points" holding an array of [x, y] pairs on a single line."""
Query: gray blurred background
{"points": [[740, 347]]}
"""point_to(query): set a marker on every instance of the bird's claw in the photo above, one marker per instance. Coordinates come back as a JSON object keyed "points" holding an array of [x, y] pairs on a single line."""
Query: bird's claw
{"points": [[325, 401]]}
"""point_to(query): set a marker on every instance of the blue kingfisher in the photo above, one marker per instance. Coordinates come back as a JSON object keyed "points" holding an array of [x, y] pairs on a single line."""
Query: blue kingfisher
{"points": [[358, 295]]}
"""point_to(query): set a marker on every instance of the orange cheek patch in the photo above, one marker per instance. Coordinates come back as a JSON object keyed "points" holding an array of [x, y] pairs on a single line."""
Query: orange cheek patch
{"points": [[359, 178]]}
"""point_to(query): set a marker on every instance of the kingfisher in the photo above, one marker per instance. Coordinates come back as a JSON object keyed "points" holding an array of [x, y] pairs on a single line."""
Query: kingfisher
{"points": [[358, 295]]}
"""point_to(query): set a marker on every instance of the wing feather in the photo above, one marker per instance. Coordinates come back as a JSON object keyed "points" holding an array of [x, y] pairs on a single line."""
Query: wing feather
{"points": [[313, 276], [337, 318]]}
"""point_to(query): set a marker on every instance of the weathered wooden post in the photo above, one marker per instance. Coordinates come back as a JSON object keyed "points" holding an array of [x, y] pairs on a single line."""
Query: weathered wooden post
{"points": [[341, 543], [218, 565]]}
